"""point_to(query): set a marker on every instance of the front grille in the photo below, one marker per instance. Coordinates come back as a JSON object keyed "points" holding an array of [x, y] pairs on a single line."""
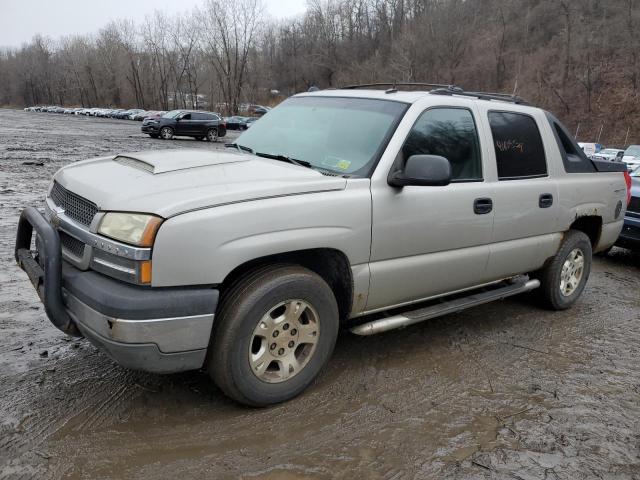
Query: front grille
{"points": [[75, 206], [72, 244], [634, 205]]}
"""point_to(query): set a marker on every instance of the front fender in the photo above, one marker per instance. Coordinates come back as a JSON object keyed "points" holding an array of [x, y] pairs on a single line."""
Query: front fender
{"points": [[204, 246]]}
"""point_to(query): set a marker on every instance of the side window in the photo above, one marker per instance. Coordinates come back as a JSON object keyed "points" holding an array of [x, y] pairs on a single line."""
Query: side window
{"points": [[186, 116], [573, 158], [450, 133], [518, 146]]}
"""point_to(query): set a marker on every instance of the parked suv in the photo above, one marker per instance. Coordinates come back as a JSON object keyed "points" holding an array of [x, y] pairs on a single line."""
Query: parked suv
{"points": [[376, 208], [186, 123], [632, 157], [630, 235]]}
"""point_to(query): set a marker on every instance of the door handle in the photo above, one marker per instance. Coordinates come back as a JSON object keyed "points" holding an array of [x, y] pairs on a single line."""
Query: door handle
{"points": [[545, 200], [482, 206]]}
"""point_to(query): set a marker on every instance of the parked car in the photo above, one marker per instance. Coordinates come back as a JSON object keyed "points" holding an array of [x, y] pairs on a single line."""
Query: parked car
{"points": [[632, 157], [249, 121], [259, 111], [186, 123], [134, 112], [590, 149], [236, 123], [610, 155], [630, 235], [140, 115], [338, 205]]}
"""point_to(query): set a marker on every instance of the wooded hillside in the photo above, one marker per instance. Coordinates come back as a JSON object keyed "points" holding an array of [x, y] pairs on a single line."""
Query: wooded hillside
{"points": [[578, 58]]}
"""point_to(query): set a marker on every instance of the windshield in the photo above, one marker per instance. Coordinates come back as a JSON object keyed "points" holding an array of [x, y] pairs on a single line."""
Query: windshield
{"points": [[342, 135], [172, 114], [633, 150]]}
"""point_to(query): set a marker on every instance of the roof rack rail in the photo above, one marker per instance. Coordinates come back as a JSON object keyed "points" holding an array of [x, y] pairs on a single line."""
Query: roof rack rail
{"points": [[443, 89], [394, 85], [503, 97]]}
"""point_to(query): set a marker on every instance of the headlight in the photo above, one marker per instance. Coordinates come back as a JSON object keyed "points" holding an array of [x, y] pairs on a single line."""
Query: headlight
{"points": [[134, 228]]}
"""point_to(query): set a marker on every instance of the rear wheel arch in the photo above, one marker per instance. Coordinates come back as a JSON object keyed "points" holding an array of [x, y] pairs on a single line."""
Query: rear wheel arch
{"points": [[591, 226], [330, 264]]}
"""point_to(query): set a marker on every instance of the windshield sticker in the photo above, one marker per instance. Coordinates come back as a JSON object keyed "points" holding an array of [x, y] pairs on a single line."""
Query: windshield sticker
{"points": [[335, 162]]}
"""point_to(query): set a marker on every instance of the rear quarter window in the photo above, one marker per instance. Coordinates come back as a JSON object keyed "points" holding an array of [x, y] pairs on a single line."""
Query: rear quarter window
{"points": [[574, 159], [518, 146]]}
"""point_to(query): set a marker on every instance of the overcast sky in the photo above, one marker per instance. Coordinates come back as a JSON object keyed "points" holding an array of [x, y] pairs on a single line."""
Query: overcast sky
{"points": [[22, 19]]}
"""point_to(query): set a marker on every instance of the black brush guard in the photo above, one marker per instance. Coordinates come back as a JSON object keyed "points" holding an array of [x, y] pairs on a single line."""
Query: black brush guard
{"points": [[46, 279]]}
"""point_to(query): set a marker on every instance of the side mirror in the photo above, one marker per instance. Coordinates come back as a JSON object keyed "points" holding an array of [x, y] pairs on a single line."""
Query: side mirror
{"points": [[423, 170]]}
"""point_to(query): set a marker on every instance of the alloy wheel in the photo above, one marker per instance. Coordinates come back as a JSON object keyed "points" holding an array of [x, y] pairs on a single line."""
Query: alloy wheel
{"points": [[284, 341], [572, 271]]}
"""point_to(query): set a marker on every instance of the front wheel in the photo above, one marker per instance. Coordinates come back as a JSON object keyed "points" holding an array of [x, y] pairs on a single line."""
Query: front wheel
{"points": [[563, 279], [166, 133], [274, 332]]}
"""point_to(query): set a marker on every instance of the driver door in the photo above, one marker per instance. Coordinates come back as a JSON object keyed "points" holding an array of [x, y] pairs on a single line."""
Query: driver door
{"points": [[184, 124], [432, 240]]}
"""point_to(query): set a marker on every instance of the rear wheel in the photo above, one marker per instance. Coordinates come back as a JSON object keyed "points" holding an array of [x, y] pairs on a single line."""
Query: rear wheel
{"points": [[274, 332], [212, 135], [563, 279]]}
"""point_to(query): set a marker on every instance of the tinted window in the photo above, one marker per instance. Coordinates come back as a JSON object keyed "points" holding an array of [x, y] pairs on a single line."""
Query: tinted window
{"points": [[186, 116], [518, 145], [573, 158], [201, 116], [450, 133]]}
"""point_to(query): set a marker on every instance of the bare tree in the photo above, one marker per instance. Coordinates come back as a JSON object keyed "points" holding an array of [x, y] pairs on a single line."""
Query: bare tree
{"points": [[231, 32]]}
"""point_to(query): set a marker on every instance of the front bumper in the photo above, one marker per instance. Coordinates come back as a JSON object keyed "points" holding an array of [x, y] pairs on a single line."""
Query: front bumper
{"points": [[150, 128], [160, 330], [630, 235]]}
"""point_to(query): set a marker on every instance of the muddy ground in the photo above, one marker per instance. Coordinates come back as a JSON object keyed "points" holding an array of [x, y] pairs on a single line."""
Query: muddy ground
{"points": [[505, 390]]}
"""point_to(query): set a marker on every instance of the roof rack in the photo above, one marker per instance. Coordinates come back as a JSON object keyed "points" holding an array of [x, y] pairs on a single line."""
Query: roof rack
{"points": [[503, 97], [394, 86], [443, 89]]}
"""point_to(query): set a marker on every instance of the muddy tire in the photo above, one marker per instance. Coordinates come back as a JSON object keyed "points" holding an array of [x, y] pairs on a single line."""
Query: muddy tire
{"points": [[564, 277], [275, 330], [166, 133], [212, 135]]}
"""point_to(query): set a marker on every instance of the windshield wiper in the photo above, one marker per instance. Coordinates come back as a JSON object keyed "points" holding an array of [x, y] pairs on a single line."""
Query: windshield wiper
{"points": [[284, 158], [241, 148]]}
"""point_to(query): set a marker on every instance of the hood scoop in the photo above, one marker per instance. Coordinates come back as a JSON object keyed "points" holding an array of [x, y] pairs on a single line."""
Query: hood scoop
{"points": [[163, 161]]}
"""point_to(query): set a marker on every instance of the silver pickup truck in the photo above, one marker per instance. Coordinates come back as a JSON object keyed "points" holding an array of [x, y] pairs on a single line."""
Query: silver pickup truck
{"points": [[366, 208]]}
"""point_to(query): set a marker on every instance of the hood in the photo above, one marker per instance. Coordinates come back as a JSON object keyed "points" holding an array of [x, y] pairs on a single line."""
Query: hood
{"points": [[170, 182]]}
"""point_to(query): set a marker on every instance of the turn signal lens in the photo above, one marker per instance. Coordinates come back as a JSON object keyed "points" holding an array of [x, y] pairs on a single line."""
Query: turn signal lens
{"points": [[145, 272]]}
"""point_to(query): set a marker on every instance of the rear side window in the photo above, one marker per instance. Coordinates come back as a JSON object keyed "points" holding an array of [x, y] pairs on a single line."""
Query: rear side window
{"points": [[200, 116], [449, 133], [573, 158], [518, 146]]}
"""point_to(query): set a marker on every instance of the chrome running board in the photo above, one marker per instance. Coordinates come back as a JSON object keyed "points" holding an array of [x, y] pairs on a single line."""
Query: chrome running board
{"points": [[444, 307]]}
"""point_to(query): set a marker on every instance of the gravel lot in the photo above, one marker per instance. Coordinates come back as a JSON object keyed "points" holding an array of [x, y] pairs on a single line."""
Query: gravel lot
{"points": [[505, 390]]}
